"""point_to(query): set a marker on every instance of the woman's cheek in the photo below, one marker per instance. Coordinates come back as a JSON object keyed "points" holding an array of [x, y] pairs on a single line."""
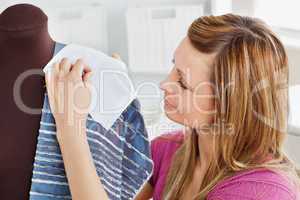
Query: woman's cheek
{"points": [[203, 101], [186, 104], [198, 112]]}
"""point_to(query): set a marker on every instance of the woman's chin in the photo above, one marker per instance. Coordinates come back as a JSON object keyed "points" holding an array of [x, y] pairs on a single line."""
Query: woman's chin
{"points": [[173, 115]]}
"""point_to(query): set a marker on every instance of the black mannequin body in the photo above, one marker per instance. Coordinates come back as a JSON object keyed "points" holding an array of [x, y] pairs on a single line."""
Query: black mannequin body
{"points": [[24, 44]]}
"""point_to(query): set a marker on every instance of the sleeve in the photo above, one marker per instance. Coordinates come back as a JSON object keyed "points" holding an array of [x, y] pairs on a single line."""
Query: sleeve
{"points": [[156, 158], [163, 148], [250, 189]]}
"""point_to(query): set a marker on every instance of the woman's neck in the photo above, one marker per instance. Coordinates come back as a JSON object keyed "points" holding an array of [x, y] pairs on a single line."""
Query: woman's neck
{"points": [[205, 146]]}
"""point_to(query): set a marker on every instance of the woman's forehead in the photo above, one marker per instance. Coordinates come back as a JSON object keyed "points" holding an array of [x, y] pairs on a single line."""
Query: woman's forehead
{"points": [[188, 58]]}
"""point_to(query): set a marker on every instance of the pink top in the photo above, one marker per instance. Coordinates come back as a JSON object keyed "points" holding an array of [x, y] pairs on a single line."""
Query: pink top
{"points": [[253, 184]]}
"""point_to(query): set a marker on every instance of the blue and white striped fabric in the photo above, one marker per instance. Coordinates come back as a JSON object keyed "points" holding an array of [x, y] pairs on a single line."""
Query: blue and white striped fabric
{"points": [[121, 156]]}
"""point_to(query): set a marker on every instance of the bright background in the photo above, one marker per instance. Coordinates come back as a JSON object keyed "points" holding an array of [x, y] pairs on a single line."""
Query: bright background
{"points": [[129, 27]]}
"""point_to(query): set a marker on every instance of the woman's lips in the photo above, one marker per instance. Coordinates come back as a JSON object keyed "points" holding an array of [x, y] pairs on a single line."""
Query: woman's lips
{"points": [[169, 104]]}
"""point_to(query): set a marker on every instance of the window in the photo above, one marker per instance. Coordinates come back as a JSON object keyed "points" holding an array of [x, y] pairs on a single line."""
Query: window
{"points": [[284, 14]]}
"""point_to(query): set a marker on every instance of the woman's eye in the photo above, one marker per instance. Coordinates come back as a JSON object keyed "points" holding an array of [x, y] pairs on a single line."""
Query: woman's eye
{"points": [[181, 84]]}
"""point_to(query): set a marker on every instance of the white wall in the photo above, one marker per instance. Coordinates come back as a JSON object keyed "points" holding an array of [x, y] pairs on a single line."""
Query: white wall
{"points": [[294, 61], [116, 10], [117, 39], [117, 42]]}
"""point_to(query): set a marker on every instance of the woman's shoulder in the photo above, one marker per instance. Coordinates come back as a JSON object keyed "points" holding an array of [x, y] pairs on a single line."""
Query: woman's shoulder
{"points": [[163, 148], [172, 138], [256, 184], [166, 144]]}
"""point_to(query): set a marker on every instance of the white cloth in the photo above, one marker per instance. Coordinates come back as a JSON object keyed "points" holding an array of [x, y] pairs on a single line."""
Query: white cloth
{"points": [[112, 88]]}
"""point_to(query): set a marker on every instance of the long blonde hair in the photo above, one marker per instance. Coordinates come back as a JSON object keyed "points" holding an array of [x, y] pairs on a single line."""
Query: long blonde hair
{"points": [[250, 74]]}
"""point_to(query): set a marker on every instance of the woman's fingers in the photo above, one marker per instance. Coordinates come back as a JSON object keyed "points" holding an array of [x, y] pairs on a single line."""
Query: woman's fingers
{"points": [[81, 71], [70, 92], [116, 56], [78, 71], [56, 68], [87, 76], [51, 78], [78, 68], [64, 67], [87, 69]]}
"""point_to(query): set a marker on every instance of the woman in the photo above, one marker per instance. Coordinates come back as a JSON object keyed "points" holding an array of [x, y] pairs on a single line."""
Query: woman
{"points": [[228, 87]]}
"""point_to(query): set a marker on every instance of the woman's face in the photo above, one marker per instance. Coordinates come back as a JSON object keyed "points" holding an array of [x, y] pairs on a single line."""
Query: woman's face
{"points": [[189, 93]]}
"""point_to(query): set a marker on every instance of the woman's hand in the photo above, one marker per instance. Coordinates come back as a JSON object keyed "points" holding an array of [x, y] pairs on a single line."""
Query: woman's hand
{"points": [[70, 97], [69, 93]]}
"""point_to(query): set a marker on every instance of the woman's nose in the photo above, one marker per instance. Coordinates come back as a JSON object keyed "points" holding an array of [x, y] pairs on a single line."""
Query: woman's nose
{"points": [[166, 86]]}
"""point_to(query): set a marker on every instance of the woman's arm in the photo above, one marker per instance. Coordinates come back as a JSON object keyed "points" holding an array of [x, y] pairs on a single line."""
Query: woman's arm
{"points": [[80, 169], [69, 98], [145, 193]]}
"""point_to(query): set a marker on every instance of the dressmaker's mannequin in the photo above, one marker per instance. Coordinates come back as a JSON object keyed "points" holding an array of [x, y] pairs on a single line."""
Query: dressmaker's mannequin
{"points": [[24, 44]]}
